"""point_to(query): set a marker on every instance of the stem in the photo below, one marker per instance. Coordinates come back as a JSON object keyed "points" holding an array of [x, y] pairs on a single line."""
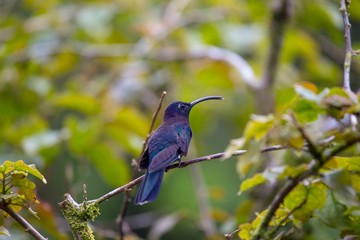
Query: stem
{"points": [[349, 51], [136, 181], [27, 226]]}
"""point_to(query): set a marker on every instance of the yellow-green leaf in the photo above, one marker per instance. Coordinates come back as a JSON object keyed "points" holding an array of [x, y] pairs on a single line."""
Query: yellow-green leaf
{"points": [[244, 231], [6, 167], [21, 166], [349, 163], [305, 199], [258, 127], [256, 180]]}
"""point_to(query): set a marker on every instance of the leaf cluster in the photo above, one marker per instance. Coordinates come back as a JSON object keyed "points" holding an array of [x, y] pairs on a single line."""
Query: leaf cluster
{"points": [[312, 126], [17, 189]]}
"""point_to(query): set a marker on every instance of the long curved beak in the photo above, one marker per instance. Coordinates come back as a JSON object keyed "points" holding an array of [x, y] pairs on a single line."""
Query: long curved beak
{"points": [[193, 103]]}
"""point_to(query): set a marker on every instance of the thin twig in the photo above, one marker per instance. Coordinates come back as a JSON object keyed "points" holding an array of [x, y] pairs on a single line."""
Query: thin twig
{"points": [[127, 198], [27, 226], [136, 181], [312, 148], [349, 51], [153, 121], [229, 236]]}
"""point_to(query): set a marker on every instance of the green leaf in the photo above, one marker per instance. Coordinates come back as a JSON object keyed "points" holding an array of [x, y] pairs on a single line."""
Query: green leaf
{"points": [[306, 111], [244, 231], [256, 180], [339, 181], [26, 188], [258, 127], [334, 214], [259, 217], [18, 175], [348, 163], [6, 167], [9, 196], [4, 231], [292, 172], [305, 199], [21, 166]]}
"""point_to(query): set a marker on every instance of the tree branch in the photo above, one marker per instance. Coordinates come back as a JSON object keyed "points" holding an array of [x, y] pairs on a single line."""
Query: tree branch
{"points": [[312, 148], [69, 205], [176, 165], [229, 236], [27, 226], [154, 120], [348, 49]]}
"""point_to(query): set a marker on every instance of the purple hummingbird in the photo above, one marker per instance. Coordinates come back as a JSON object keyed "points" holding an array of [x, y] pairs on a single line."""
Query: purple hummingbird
{"points": [[167, 144]]}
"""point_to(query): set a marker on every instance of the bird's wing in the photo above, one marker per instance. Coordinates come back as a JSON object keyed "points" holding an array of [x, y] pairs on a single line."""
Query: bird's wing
{"points": [[144, 159], [164, 158], [177, 146], [183, 139]]}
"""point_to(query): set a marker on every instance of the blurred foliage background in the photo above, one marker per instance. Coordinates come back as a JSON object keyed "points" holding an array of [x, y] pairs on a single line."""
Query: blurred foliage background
{"points": [[80, 81]]}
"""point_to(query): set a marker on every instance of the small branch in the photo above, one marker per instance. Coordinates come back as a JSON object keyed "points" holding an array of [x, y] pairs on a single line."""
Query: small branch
{"points": [[176, 165], [229, 236], [118, 190], [74, 211], [27, 226], [312, 148], [78, 215], [153, 120], [347, 36]]}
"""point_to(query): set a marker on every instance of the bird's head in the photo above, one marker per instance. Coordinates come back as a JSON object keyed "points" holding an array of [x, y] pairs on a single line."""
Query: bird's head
{"points": [[182, 109]]}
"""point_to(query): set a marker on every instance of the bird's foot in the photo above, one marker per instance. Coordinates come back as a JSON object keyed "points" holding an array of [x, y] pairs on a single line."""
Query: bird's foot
{"points": [[180, 164]]}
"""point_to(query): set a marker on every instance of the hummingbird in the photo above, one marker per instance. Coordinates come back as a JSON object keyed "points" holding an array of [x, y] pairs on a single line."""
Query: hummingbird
{"points": [[167, 144]]}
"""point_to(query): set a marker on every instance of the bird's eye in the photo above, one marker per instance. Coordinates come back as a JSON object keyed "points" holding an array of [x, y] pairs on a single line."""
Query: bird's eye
{"points": [[181, 105]]}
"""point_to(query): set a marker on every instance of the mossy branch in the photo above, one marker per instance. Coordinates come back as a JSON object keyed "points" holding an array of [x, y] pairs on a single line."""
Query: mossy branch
{"points": [[78, 215]]}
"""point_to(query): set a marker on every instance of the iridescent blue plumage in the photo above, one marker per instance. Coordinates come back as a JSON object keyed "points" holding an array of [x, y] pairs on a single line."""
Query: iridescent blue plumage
{"points": [[166, 145]]}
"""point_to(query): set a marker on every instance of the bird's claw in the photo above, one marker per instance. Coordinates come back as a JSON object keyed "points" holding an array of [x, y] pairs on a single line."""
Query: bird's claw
{"points": [[180, 164]]}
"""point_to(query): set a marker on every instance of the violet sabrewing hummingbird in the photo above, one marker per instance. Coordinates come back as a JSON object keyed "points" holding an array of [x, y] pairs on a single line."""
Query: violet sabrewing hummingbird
{"points": [[167, 144]]}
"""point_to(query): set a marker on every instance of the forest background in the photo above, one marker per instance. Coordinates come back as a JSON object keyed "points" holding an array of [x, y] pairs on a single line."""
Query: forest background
{"points": [[80, 82]]}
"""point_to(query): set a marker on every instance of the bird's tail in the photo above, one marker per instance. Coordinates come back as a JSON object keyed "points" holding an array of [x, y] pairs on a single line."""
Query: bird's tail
{"points": [[149, 187]]}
